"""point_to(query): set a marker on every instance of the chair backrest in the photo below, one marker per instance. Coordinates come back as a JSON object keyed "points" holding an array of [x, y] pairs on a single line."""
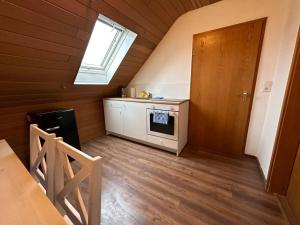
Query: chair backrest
{"points": [[68, 197], [50, 166], [42, 156]]}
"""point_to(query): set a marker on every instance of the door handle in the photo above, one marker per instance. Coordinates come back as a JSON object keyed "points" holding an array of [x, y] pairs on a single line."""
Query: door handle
{"points": [[245, 95], [53, 128]]}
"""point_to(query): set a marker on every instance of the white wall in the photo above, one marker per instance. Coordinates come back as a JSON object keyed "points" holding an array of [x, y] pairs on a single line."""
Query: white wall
{"points": [[167, 72], [268, 135]]}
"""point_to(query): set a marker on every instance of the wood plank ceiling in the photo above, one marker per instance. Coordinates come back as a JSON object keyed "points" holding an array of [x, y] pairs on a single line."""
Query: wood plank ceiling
{"points": [[42, 43]]}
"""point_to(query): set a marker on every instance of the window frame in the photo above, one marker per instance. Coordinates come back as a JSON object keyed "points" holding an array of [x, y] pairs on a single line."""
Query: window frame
{"points": [[102, 75]]}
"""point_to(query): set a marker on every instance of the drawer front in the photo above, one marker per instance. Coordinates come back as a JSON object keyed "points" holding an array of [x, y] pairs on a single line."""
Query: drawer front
{"points": [[167, 143], [114, 104]]}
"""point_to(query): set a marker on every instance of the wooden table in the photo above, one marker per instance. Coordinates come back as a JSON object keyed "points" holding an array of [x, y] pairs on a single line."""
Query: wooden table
{"points": [[22, 201]]}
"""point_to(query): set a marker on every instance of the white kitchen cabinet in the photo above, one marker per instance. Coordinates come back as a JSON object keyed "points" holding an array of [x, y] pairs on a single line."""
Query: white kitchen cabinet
{"points": [[114, 121], [135, 120], [132, 119]]}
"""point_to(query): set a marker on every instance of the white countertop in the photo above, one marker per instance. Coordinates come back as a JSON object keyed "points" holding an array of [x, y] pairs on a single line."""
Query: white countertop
{"points": [[153, 101]]}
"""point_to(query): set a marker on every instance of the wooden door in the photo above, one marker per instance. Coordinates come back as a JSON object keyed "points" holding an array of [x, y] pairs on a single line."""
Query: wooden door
{"points": [[293, 194], [224, 69]]}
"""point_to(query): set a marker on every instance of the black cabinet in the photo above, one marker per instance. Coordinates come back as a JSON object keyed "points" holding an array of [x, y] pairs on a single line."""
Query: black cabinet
{"points": [[61, 122]]}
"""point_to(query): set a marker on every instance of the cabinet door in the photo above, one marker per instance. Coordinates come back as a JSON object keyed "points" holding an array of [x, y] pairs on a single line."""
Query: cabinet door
{"points": [[135, 120], [113, 112]]}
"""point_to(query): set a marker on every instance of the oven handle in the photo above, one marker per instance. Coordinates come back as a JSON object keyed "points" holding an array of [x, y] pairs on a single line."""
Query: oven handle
{"points": [[153, 110], [171, 113]]}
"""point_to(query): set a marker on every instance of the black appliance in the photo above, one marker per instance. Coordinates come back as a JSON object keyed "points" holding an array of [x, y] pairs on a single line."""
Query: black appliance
{"points": [[163, 128], [61, 122]]}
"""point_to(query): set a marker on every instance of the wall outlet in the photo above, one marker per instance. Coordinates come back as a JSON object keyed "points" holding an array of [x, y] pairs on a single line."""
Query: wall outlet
{"points": [[267, 86]]}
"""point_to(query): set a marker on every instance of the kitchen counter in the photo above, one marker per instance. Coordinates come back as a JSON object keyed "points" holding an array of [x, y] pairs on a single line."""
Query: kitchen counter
{"points": [[153, 101], [132, 119]]}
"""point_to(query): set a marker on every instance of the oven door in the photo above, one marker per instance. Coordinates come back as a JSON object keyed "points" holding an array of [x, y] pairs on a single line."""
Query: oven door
{"points": [[169, 131]]}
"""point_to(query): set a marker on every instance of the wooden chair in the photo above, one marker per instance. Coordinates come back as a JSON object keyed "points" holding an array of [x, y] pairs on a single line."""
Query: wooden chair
{"points": [[50, 166], [67, 185], [42, 158]]}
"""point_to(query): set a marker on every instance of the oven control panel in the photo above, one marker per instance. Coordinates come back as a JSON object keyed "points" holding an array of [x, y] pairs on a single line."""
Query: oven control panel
{"points": [[174, 108]]}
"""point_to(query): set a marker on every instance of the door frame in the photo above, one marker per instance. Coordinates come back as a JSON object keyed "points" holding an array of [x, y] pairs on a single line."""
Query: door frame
{"points": [[283, 157]]}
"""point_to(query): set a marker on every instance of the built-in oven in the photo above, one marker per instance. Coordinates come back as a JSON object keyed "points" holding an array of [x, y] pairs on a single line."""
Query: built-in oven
{"points": [[167, 130]]}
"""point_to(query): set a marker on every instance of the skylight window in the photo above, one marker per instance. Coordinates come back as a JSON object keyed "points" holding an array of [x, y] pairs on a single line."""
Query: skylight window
{"points": [[107, 47], [104, 36]]}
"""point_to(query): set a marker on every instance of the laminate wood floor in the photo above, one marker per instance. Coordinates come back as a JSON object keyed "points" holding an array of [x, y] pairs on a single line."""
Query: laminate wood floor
{"points": [[145, 186]]}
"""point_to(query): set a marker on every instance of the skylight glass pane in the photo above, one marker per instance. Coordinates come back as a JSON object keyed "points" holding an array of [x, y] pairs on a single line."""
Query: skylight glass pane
{"points": [[99, 44], [108, 45]]}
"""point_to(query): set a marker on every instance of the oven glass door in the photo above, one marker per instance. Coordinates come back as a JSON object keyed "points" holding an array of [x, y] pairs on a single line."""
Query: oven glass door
{"points": [[169, 131]]}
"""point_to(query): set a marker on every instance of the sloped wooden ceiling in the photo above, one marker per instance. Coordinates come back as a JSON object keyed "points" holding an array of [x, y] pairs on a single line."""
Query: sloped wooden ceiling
{"points": [[42, 43]]}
